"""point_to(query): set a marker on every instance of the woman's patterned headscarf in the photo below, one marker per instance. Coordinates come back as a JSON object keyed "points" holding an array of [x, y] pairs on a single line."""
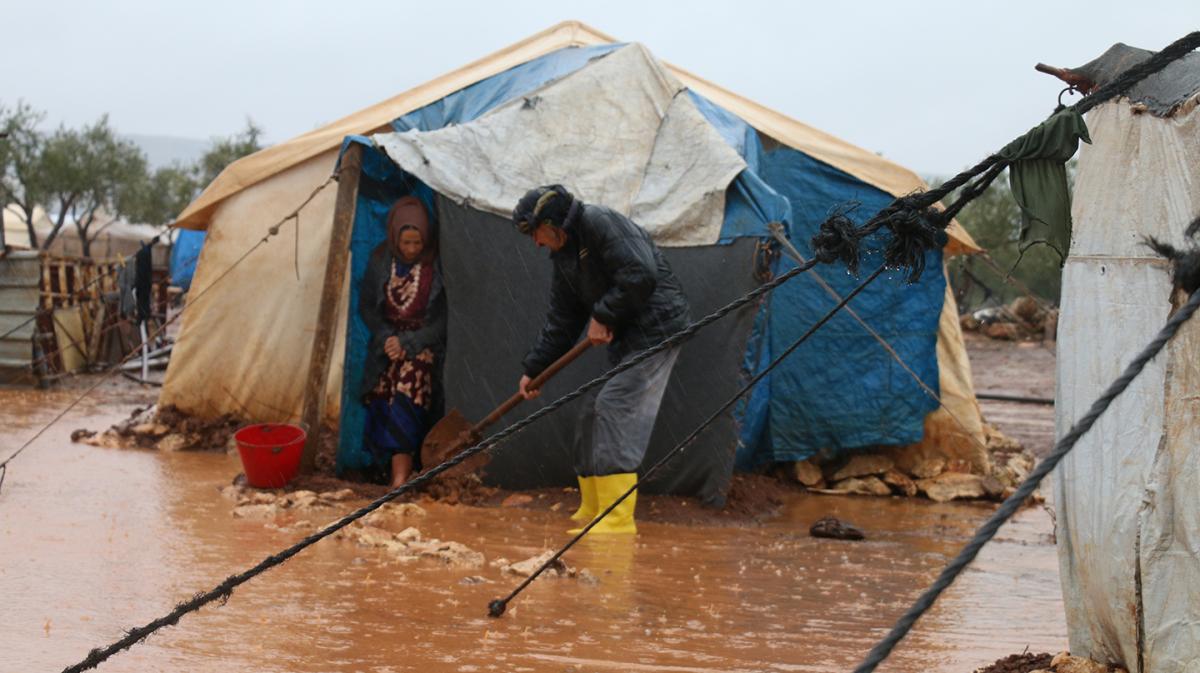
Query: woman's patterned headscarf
{"points": [[409, 213]]}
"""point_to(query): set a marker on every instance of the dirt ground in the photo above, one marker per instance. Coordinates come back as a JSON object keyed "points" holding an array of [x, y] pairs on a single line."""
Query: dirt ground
{"points": [[1004, 367], [1021, 369], [749, 572]]}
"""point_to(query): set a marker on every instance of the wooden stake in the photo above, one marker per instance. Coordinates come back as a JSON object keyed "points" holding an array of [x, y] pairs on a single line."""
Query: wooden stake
{"points": [[331, 293]]}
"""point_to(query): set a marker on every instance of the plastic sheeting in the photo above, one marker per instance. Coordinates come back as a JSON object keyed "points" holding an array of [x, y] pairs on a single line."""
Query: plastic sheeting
{"points": [[840, 390], [1128, 521], [620, 132], [185, 252]]}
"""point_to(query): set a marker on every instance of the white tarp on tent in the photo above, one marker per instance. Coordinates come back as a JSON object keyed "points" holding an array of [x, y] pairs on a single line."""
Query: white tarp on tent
{"points": [[672, 167], [1128, 496]]}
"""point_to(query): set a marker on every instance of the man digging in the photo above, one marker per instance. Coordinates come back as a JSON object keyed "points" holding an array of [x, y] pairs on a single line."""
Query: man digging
{"points": [[612, 280]]}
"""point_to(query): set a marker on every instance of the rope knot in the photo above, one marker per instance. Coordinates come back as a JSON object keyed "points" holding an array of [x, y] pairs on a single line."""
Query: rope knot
{"points": [[838, 239], [1185, 262], [914, 231]]}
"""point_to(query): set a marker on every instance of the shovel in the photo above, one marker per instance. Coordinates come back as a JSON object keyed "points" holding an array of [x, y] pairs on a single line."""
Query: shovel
{"points": [[454, 433]]}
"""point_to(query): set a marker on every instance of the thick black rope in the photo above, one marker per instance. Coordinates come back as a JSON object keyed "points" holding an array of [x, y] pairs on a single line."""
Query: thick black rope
{"points": [[497, 607], [907, 207], [1010, 506]]}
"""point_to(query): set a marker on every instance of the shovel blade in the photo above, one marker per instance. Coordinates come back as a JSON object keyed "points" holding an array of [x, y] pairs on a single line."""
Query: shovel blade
{"points": [[446, 439]]}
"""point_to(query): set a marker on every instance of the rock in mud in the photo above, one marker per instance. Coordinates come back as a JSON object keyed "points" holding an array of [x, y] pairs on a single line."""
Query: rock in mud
{"points": [[172, 442], [253, 511], [862, 465], [474, 579], [340, 496], [836, 529], [1012, 468], [153, 429], [588, 577], [952, 486], [1065, 663], [993, 488], [408, 546], [82, 434], [998, 442], [1025, 662], [928, 468], [863, 486], [530, 565], [394, 515], [900, 483], [517, 500], [807, 473]]}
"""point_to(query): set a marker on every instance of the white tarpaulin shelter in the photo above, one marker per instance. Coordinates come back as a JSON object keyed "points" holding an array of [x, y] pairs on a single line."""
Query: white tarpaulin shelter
{"points": [[671, 168], [1128, 496]]}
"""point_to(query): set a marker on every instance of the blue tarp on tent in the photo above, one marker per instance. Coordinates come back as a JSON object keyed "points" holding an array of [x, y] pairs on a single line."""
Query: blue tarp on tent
{"points": [[184, 254], [840, 391]]}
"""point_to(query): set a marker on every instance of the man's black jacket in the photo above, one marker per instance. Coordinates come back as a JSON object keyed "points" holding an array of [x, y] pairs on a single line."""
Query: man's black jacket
{"points": [[609, 269]]}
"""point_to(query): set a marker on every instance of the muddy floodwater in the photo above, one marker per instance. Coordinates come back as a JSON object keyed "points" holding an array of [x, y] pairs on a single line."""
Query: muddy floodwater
{"points": [[96, 540]]}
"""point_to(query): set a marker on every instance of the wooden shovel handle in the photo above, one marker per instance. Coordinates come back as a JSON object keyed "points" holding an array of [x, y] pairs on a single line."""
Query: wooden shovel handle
{"points": [[570, 356]]}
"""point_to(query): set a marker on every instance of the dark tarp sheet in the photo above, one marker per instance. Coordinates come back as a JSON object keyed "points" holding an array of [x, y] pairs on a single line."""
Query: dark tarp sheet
{"points": [[498, 284], [1162, 92], [840, 390]]}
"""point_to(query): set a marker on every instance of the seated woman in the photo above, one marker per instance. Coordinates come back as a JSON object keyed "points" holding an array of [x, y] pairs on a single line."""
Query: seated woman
{"points": [[403, 304]]}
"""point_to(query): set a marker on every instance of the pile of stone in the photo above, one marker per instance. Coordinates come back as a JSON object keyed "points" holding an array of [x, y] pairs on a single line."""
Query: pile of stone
{"points": [[252, 503], [1023, 319], [940, 480], [557, 570], [1044, 663], [165, 429], [409, 546]]}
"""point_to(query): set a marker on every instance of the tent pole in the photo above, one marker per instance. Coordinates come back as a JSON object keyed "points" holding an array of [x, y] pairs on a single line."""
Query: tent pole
{"points": [[331, 291]]}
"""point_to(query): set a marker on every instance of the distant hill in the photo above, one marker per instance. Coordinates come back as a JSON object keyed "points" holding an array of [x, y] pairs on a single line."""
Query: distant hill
{"points": [[165, 150]]}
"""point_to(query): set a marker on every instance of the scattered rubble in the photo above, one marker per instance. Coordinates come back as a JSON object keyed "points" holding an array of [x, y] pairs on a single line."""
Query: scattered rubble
{"points": [[934, 477], [1022, 319], [863, 465], [165, 429], [1044, 663], [808, 473], [900, 483], [558, 569], [394, 515], [834, 528], [408, 546], [952, 486], [870, 485], [252, 503]]}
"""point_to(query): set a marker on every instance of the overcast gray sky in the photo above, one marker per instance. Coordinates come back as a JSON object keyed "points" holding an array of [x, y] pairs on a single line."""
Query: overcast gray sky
{"points": [[933, 85]]}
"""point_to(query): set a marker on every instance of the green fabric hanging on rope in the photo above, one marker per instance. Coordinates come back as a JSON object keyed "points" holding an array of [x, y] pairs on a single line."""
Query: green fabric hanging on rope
{"points": [[1038, 177]]}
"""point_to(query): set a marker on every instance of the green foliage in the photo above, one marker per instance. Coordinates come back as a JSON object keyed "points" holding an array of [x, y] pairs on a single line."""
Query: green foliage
{"points": [[23, 183], [90, 177], [994, 221], [87, 170], [227, 150]]}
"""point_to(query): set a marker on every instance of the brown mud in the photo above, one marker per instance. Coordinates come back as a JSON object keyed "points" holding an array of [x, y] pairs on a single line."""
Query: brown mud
{"points": [[1019, 663]]}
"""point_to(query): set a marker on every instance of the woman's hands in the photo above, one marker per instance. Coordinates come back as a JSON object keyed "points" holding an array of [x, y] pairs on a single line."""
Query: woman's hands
{"points": [[393, 348]]}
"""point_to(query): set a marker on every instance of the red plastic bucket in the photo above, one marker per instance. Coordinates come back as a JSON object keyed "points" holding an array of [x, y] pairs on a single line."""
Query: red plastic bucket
{"points": [[270, 453]]}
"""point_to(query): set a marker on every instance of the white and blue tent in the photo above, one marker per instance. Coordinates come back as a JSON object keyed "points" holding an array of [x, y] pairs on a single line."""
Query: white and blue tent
{"points": [[705, 171]]}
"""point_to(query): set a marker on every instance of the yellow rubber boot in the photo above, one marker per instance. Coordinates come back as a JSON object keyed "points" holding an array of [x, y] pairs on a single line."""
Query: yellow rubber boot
{"points": [[608, 488], [587, 501]]}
